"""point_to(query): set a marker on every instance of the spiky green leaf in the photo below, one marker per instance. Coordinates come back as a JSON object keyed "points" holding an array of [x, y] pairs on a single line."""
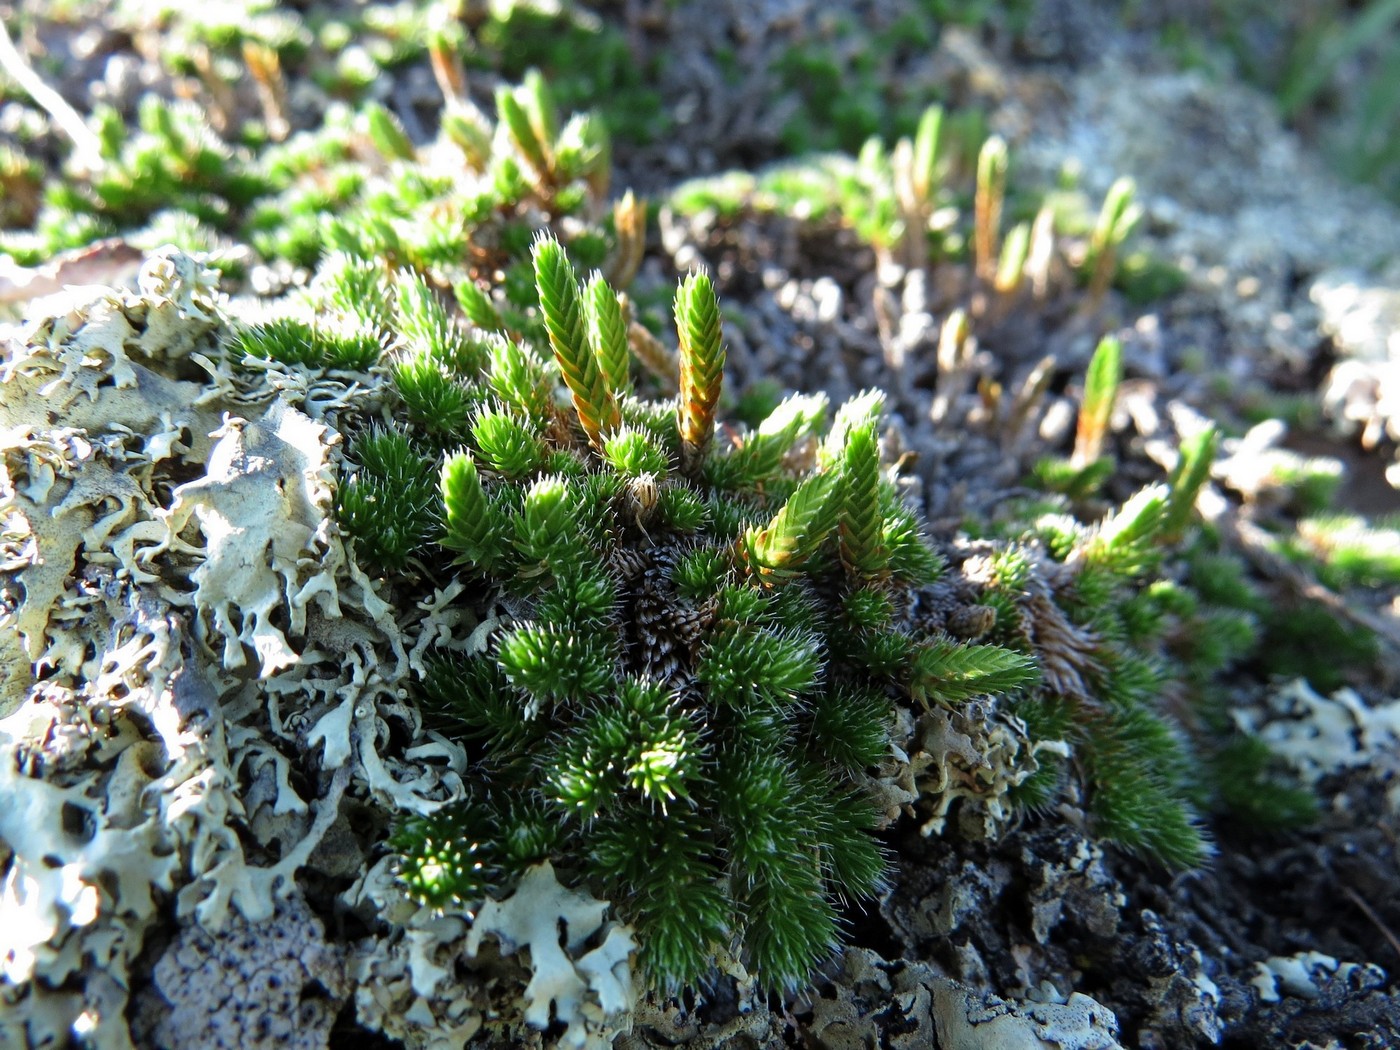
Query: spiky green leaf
{"points": [[1197, 455], [945, 672], [761, 454], [552, 662], [927, 141], [743, 665], [387, 133], [1100, 390], [477, 305], [506, 444], [850, 725], [607, 334], [701, 365], [863, 551], [557, 284], [667, 879], [473, 525], [797, 531], [515, 117], [450, 858]]}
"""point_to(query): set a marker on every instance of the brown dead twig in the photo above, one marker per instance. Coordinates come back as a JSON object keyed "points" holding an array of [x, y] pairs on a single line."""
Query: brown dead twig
{"points": [[1376, 920]]}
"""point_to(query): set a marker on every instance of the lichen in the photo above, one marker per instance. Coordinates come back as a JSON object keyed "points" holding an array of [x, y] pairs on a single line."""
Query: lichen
{"points": [[96, 780], [261, 509], [146, 771], [591, 990], [932, 1010], [1324, 735], [1304, 974]]}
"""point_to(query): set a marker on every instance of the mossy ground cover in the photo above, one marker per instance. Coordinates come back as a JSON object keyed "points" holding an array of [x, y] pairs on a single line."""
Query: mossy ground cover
{"points": [[717, 633]]}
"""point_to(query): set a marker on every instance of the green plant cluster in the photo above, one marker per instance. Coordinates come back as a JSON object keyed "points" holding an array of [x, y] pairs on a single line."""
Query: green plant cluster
{"points": [[1101, 630], [1346, 550], [943, 195], [172, 166], [207, 181], [1116, 638], [1295, 637], [710, 627], [1123, 638], [709, 635], [839, 95], [361, 200], [708, 639]]}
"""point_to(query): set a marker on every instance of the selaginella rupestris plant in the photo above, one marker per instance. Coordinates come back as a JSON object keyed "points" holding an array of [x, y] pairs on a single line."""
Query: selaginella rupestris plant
{"points": [[1130, 647], [706, 641]]}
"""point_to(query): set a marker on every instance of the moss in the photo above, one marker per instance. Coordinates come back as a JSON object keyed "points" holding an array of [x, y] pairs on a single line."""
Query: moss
{"points": [[589, 64], [683, 694]]}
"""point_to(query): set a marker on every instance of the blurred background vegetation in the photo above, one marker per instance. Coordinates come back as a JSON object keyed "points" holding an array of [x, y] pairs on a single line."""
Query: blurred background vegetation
{"points": [[1331, 66]]}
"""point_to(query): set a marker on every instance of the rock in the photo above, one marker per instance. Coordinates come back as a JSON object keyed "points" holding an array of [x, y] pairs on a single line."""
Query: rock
{"points": [[251, 986]]}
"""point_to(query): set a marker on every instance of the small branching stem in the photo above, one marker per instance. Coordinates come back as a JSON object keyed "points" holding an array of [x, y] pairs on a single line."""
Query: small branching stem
{"points": [[265, 67], [562, 307], [630, 224], [990, 196], [701, 367], [1100, 392]]}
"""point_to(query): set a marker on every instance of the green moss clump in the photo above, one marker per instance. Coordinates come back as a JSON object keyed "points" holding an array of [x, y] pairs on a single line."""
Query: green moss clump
{"points": [[698, 672], [209, 178]]}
